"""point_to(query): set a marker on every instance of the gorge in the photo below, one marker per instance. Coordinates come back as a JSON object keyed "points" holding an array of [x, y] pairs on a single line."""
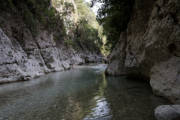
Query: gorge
{"points": [[40, 37]]}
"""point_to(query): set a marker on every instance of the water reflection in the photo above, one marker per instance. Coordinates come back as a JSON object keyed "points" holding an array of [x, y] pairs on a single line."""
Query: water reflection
{"points": [[101, 109], [80, 94]]}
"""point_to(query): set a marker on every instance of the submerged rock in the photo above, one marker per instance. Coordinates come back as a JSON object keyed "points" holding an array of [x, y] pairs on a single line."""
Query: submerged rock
{"points": [[168, 112]]}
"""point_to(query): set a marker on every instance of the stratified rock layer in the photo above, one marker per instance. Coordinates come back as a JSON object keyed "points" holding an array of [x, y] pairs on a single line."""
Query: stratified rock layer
{"points": [[150, 46]]}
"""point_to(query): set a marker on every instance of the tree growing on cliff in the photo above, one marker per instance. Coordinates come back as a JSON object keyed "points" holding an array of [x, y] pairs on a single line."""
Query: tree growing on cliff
{"points": [[114, 15], [88, 34]]}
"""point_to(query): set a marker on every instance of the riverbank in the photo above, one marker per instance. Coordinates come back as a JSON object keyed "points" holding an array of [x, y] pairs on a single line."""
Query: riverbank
{"points": [[40, 37], [20, 62]]}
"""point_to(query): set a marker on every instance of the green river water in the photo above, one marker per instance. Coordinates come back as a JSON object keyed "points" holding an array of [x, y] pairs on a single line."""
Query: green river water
{"points": [[84, 93]]}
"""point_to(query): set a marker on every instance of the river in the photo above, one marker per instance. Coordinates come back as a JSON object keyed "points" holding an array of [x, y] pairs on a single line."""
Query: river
{"points": [[83, 93]]}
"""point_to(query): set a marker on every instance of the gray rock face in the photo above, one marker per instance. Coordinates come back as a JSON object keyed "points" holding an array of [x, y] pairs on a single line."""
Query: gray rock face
{"points": [[32, 58], [152, 46], [93, 58], [15, 64], [165, 79], [168, 112], [116, 66], [25, 55]]}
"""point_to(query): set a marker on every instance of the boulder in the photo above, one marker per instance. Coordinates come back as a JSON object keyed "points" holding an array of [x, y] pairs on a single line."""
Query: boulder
{"points": [[168, 112]]}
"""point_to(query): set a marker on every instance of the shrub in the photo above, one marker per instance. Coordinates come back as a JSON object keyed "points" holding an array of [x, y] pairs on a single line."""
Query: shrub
{"points": [[35, 13], [68, 42]]}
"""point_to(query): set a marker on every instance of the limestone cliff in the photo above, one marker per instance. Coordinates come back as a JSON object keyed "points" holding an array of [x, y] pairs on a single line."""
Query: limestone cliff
{"points": [[32, 35], [150, 47]]}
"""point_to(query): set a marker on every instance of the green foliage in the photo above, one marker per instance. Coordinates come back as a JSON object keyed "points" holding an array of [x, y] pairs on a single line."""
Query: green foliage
{"points": [[88, 34], [69, 6], [69, 42], [114, 15], [6, 5], [35, 13], [39, 14], [30, 21]]}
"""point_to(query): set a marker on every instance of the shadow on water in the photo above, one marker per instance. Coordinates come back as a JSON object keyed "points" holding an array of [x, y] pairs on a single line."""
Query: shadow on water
{"points": [[80, 94], [131, 100]]}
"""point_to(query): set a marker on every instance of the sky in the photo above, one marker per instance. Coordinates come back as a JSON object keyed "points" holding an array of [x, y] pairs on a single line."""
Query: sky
{"points": [[95, 7]]}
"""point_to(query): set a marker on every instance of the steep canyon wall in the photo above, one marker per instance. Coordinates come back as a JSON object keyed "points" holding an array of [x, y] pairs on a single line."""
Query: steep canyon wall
{"points": [[150, 47], [28, 48]]}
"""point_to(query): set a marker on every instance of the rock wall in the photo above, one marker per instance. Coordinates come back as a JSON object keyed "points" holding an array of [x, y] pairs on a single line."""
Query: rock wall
{"points": [[24, 56], [150, 47]]}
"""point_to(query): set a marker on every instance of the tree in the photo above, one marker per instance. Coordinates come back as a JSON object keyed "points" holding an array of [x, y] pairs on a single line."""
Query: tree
{"points": [[88, 34], [114, 15]]}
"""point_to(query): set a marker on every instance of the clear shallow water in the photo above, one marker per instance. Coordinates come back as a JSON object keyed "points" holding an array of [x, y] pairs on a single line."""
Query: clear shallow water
{"points": [[84, 93]]}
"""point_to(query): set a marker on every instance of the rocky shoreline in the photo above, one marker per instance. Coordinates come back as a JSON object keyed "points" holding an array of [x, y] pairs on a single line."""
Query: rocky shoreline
{"points": [[33, 43], [23, 62]]}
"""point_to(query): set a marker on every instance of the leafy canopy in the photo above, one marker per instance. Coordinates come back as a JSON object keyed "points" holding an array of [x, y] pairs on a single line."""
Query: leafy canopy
{"points": [[114, 15]]}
